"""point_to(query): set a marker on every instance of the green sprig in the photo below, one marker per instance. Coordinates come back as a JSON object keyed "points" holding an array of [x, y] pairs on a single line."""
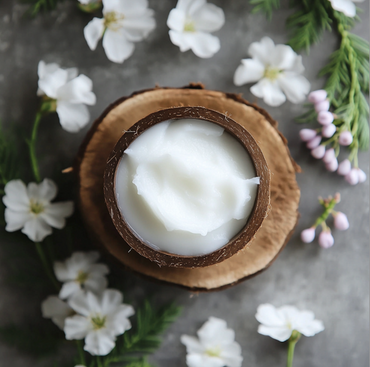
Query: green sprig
{"points": [[265, 6], [38, 6]]}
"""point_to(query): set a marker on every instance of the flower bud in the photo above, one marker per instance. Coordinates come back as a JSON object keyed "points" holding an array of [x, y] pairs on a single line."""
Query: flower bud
{"points": [[318, 152], [361, 175], [317, 96], [322, 106], [308, 235], [313, 143], [328, 130], [326, 239], [344, 167], [325, 118], [307, 134], [329, 155], [345, 138], [352, 177], [332, 166], [341, 221]]}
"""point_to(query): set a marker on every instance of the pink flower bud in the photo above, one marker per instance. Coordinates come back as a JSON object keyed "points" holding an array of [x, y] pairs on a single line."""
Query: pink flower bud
{"points": [[313, 143], [332, 166], [317, 96], [344, 167], [322, 106], [341, 221], [352, 177], [325, 118], [361, 175], [345, 138], [328, 130], [307, 134], [308, 235], [329, 155], [326, 240], [318, 152]]}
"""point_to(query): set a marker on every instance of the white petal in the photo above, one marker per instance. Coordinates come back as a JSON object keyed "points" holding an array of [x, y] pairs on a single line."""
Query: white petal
{"points": [[203, 360], [344, 6], [36, 229], [176, 20], [231, 355], [99, 342], [311, 328], [55, 309], [296, 87], [78, 90], [262, 50], [138, 28], [93, 32], [268, 315], [116, 46], [112, 5], [77, 327], [16, 197], [16, 220], [84, 303], [283, 57], [250, 70], [209, 18], [269, 91], [72, 117], [33, 191], [72, 73], [186, 5], [55, 213], [179, 39], [111, 298], [96, 284], [192, 344], [47, 190], [203, 44], [69, 289], [279, 333], [215, 331], [98, 269], [194, 6], [51, 82], [119, 322], [127, 7], [62, 272], [297, 66]]}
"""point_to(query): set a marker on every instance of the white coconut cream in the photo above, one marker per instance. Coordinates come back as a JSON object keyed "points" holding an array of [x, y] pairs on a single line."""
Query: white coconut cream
{"points": [[186, 186]]}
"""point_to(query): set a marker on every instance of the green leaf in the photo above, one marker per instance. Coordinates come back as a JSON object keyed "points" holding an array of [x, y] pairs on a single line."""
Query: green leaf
{"points": [[265, 6], [37, 6]]}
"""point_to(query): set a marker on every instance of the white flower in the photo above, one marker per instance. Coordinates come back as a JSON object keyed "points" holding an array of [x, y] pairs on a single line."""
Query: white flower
{"points": [[30, 208], [99, 320], [190, 25], [345, 6], [279, 323], [277, 69], [55, 309], [214, 348], [80, 272], [67, 94], [124, 22]]}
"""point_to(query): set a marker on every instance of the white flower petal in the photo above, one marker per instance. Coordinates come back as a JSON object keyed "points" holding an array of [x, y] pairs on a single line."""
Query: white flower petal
{"points": [[111, 298], [47, 190], [279, 333], [231, 355], [85, 303], [116, 46], [203, 44], [72, 117], [187, 5], [283, 57], [176, 20], [138, 28], [69, 289], [209, 18], [269, 91], [36, 229], [98, 269], [78, 90], [297, 66], [93, 32], [96, 283], [132, 8], [215, 331], [194, 7], [51, 82], [62, 272], [72, 73], [33, 191], [55, 309], [249, 71], [16, 220], [262, 50], [311, 329], [119, 322], [203, 360], [179, 39], [267, 314], [77, 327], [55, 213], [192, 344], [344, 6], [16, 197], [44, 69], [99, 342]]}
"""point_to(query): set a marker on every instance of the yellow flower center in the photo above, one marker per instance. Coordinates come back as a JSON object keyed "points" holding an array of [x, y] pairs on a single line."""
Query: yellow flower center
{"points": [[98, 322], [36, 207], [112, 20], [82, 277], [48, 104], [214, 352], [189, 26], [271, 73]]}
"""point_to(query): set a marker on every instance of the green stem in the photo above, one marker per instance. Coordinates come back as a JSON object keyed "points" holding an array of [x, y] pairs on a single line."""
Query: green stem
{"points": [[292, 342], [99, 362], [32, 147], [45, 264], [81, 352], [328, 209]]}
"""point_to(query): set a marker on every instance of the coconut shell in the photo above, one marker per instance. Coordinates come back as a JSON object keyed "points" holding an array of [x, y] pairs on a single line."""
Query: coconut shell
{"points": [[240, 240], [285, 194]]}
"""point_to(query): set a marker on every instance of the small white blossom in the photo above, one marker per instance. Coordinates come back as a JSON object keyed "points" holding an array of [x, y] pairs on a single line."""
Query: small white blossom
{"points": [[80, 272], [55, 309], [124, 23], [347, 7], [277, 69], [279, 323], [99, 320], [67, 94], [214, 347], [29, 208], [191, 23]]}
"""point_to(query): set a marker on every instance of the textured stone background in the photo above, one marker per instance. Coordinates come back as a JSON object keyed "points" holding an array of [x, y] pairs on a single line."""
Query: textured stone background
{"points": [[333, 283]]}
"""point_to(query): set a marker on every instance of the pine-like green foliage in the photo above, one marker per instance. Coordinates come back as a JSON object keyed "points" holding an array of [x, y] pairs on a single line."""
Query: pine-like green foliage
{"points": [[265, 6], [37, 6], [309, 21]]}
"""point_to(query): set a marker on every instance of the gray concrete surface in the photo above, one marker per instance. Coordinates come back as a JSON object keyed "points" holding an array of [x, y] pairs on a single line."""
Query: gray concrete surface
{"points": [[333, 283]]}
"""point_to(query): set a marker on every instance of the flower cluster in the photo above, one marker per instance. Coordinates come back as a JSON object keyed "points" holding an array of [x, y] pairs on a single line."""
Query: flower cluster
{"points": [[91, 311], [337, 137], [277, 69], [341, 223]]}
